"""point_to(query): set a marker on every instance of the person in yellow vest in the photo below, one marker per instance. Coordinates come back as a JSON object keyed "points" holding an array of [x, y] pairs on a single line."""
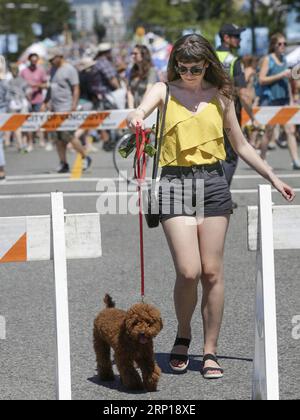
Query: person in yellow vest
{"points": [[230, 35], [199, 108]]}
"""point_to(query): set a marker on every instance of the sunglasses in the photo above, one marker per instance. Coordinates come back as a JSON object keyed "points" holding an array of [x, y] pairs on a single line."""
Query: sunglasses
{"points": [[195, 70], [282, 44]]}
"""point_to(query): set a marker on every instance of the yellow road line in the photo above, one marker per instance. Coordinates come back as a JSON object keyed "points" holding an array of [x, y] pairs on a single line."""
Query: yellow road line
{"points": [[77, 168]]}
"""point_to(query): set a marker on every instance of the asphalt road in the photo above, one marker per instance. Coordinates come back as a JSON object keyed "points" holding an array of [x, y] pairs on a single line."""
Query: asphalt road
{"points": [[27, 356]]}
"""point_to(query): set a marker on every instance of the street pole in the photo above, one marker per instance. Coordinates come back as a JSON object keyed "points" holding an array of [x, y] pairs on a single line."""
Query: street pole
{"points": [[8, 31], [253, 25]]}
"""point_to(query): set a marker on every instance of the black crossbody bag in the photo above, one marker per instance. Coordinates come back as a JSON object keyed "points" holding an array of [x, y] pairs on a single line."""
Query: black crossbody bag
{"points": [[150, 193]]}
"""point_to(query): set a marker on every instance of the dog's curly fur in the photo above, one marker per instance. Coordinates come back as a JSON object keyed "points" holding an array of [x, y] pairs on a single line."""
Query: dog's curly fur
{"points": [[130, 334]]}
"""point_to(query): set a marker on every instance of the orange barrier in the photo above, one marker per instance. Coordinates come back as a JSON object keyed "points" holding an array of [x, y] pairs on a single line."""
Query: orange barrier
{"points": [[116, 119], [17, 252], [72, 121], [273, 115]]}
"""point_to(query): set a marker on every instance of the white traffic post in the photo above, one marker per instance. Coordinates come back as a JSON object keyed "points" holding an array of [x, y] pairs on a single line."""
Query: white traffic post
{"points": [[2, 328], [265, 379], [63, 381]]}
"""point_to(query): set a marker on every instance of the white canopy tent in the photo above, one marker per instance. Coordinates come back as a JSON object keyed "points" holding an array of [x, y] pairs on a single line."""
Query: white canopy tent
{"points": [[293, 58]]}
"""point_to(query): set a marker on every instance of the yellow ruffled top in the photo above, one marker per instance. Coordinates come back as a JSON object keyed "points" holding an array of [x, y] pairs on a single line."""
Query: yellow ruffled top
{"points": [[193, 139]]}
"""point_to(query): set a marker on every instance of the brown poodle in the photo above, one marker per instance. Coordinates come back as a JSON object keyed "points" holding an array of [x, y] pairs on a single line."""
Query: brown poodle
{"points": [[130, 334]]}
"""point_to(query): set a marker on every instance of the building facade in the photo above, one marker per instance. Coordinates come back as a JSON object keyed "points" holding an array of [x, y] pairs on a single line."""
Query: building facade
{"points": [[114, 14]]}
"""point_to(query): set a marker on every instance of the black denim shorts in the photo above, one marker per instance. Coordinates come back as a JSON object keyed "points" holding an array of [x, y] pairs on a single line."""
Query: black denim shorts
{"points": [[63, 136], [190, 191]]}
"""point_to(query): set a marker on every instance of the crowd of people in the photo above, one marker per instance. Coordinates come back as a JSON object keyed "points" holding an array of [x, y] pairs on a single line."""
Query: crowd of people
{"points": [[91, 83], [100, 79], [270, 83]]}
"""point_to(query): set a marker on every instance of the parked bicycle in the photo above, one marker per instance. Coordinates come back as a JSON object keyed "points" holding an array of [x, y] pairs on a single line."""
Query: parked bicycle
{"points": [[124, 157]]}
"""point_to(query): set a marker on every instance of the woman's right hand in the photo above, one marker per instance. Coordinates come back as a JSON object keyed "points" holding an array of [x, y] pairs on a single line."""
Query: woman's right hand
{"points": [[134, 119]]}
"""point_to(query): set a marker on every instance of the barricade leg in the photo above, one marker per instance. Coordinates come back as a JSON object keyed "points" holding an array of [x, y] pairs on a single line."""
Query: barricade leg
{"points": [[63, 381], [2, 328], [265, 376]]}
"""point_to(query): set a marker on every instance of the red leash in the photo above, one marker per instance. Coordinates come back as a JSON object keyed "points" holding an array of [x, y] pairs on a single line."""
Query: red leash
{"points": [[140, 175]]}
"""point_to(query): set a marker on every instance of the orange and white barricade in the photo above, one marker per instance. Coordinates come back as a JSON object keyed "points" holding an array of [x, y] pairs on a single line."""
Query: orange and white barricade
{"points": [[273, 115], [269, 228], [68, 121], [57, 237], [116, 119]]}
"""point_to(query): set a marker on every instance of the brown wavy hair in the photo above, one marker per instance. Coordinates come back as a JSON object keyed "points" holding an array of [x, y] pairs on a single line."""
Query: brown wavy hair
{"points": [[195, 48], [141, 70], [274, 41]]}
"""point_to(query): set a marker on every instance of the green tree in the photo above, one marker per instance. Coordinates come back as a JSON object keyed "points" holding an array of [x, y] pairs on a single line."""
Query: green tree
{"points": [[161, 16], [52, 15], [214, 9], [208, 16], [57, 18], [211, 16]]}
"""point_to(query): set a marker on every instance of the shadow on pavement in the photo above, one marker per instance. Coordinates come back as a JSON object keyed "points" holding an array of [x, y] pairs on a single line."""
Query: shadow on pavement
{"points": [[162, 359], [114, 385], [195, 362]]}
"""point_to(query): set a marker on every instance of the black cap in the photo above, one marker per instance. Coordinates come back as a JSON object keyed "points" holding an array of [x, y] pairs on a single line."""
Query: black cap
{"points": [[231, 29]]}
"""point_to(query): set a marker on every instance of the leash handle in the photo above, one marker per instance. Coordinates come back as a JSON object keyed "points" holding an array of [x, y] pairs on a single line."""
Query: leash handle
{"points": [[140, 174], [141, 159]]}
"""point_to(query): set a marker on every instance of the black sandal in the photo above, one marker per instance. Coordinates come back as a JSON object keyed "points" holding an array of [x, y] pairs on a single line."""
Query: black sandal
{"points": [[180, 357], [205, 372]]}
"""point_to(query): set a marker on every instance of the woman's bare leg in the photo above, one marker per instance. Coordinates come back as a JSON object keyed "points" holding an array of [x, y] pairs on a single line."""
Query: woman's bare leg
{"points": [[19, 139], [212, 234], [2, 157], [265, 141], [184, 246], [290, 131]]}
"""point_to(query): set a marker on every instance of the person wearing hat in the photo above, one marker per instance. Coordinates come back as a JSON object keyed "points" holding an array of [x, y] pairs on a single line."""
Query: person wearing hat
{"points": [[4, 103], [105, 75], [230, 35], [63, 96], [104, 80], [85, 67]]}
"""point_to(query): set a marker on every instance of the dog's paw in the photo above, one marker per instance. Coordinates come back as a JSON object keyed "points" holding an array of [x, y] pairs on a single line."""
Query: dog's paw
{"points": [[151, 385], [151, 382]]}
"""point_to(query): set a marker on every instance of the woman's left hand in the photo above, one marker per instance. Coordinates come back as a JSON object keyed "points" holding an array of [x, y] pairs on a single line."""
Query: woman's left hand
{"points": [[285, 190]]}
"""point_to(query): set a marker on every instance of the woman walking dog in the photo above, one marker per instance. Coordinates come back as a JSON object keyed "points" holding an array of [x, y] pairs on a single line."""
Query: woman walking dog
{"points": [[200, 105]]}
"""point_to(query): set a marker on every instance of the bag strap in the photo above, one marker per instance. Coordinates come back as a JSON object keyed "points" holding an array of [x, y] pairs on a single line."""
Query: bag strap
{"points": [[160, 134]]}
